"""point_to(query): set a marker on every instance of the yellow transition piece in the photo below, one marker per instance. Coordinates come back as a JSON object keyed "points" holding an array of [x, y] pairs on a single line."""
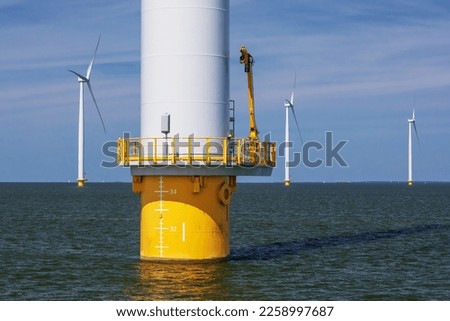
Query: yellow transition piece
{"points": [[184, 217]]}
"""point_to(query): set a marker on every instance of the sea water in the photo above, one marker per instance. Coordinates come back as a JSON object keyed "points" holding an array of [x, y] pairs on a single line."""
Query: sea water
{"points": [[354, 241]]}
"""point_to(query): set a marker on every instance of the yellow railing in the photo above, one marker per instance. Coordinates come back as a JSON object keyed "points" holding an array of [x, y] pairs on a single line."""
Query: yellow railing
{"points": [[215, 151]]}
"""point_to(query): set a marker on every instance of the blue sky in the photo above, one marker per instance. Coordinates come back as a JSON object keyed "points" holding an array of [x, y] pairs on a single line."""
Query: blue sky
{"points": [[361, 68]]}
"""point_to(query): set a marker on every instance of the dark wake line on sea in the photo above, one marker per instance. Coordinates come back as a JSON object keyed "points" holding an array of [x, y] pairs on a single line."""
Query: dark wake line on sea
{"points": [[281, 249]]}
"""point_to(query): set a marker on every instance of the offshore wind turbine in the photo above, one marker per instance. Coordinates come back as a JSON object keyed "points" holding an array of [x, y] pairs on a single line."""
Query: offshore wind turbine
{"points": [[85, 80], [289, 104], [411, 123]]}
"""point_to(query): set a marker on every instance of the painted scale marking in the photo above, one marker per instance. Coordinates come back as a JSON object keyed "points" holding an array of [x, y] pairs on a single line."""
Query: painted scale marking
{"points": [[161, 246], [161, 210]]}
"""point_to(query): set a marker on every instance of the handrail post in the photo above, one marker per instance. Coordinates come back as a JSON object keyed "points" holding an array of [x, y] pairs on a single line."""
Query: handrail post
{"points": [[119, 151], [155, 150], [125, 155], [225, 151], [189, 158], [173, 150], [208, 146], [239, 151]]}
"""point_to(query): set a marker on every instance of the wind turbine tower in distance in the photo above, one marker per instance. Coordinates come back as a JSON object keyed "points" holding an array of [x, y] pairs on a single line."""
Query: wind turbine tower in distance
{"points": [[85, 80], [411, 123], [289, 104]]}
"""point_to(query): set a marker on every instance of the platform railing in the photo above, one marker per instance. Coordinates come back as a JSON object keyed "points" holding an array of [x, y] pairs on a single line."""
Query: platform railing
{"points": [[212, 151]]}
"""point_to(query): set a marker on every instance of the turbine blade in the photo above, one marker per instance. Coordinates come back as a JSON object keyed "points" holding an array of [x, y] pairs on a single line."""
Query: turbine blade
{"points": [[79, 76], [293, 90], [414, 115], [296, 123], [89, 70], [417, 135], [96, 106]]}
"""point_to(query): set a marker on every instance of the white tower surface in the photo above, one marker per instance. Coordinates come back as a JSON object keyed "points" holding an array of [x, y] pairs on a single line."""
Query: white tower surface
{"points": [[289, 104], [185, 67], [411, 123], [409, 151], [287, 178]]}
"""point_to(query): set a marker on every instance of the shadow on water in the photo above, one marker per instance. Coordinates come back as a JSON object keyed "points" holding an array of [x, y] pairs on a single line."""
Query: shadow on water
{"points": [[280, 249], [217, 280]]}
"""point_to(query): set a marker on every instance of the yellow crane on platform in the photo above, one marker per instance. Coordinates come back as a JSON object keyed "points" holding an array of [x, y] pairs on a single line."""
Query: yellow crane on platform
{"points": [[247, 60]]}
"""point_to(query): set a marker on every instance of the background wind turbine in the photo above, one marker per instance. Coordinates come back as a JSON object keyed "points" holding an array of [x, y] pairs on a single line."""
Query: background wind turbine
{"points": [[411, 123], [85, 80], [289, 104]]}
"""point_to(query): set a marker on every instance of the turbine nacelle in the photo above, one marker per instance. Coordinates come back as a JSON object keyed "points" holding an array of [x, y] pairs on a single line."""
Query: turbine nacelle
{"points": [[288, 104], [81, 78]]}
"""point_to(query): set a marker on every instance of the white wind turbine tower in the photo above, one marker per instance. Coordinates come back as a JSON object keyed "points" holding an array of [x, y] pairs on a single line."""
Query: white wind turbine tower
{"points": [[289, 104], [411, 123], [85, 80]]}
